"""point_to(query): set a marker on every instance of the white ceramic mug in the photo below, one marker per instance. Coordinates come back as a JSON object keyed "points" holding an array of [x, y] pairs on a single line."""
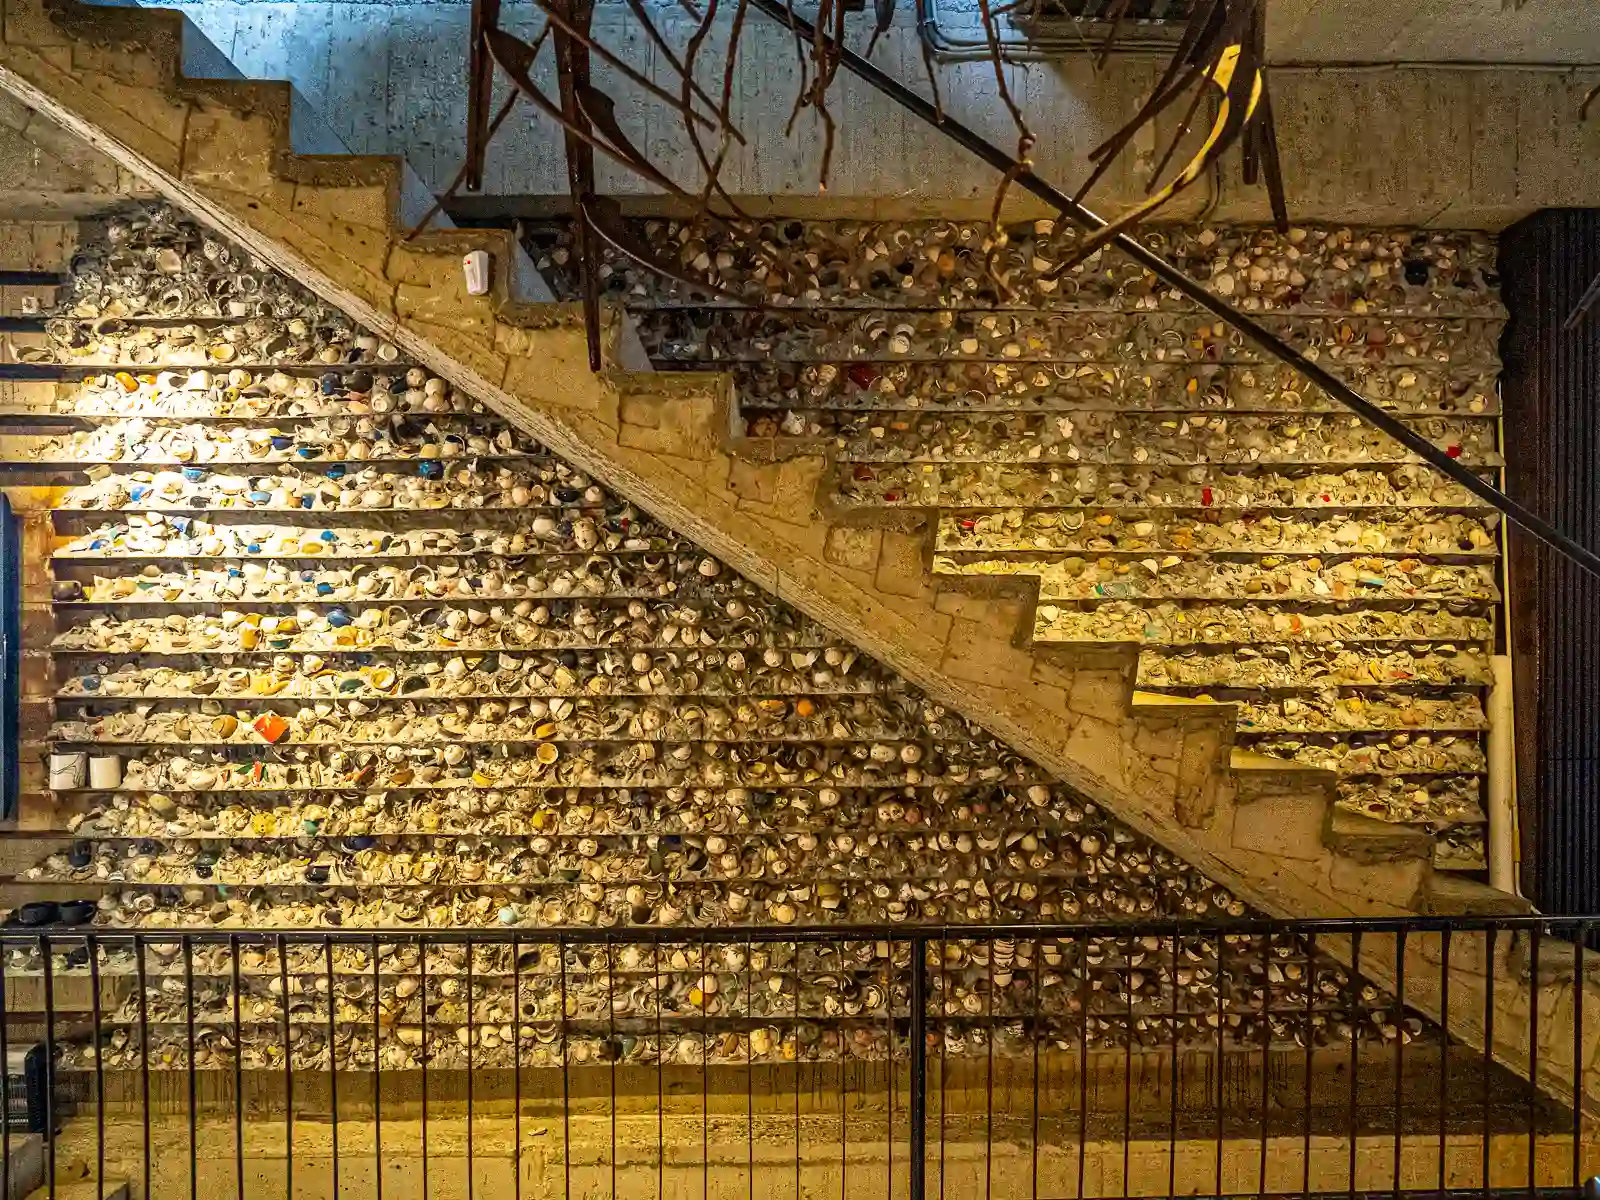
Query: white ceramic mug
{"points": [[68, 771], [105, 771]]}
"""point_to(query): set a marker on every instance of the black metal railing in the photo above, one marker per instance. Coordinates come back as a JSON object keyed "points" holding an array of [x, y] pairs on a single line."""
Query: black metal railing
{"points": [[1154, 1058]]}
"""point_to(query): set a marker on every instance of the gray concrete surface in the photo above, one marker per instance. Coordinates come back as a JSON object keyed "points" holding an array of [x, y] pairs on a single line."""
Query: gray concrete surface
{"points": [[1462, 147], [1437, 31]]}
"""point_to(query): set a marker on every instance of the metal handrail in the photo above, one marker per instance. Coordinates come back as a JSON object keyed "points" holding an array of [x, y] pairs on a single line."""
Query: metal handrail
{"points": [[581, 935]]}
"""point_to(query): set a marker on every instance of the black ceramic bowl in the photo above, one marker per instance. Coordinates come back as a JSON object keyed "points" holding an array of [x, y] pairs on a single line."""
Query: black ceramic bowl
{"points": [[40, 912], [77, 912]]}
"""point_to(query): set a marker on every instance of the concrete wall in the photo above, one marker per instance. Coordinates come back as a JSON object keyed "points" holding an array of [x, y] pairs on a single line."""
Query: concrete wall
{"points": [[1452, 147], [1497, 31], [46, 174]]}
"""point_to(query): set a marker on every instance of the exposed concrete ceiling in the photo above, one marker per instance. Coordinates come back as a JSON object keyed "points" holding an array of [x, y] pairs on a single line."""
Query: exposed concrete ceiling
{"points": [[1383, 31]]}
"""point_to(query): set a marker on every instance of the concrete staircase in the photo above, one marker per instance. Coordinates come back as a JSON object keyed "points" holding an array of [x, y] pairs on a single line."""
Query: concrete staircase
{"points": [[142, 87]]}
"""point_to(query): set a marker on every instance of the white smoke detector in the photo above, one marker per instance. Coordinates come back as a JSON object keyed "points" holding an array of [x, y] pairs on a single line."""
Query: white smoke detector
{"points": [[476, 266]]}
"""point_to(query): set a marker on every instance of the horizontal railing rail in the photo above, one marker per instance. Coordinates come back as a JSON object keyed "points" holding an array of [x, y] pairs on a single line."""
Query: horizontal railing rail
{"points": [[1333, 1056]]}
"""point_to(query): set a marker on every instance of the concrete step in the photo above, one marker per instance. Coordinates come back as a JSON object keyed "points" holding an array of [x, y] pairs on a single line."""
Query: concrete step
{"points": [[1447, 894], [25, 1151], [1370, 841], [1257, 775]]}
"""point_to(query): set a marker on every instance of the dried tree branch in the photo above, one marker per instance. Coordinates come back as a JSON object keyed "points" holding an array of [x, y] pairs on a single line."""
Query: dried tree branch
{"points": [[461, 174], [642, 15], [1237, 75], [927, 61], [712, 170], [805, 70], [1025, 143], [1166, 90], [729, 66], [514, 58], [582, 37], [466, 163], [1119, 13]]}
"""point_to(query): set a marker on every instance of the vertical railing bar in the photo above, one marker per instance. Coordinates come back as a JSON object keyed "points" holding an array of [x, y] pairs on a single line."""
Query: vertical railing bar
{"points": [[844, 1092], [612, 1048], [1310, 943], [1125, 945], [187, 945], [944, 1056], [888, 969], [1082, 947], [333, 1062], [1444, 1062], [49, 1057], [141, 983], [661, 1129], [705, 1087], [1355, 1062], [471, 1033], [5, 1108], [1399, 1053], [1537, 935], [516, 1068], [426, 1051], [1172, 1073], [988, 1084], [92, 944], [750, 1067], [794, 974], [1036, 1032], [1222, 1033], [288, 1072], [1488, 1050], [377, 1072], [238, 1068], [1265, 943], [918, 1131], [1579, 1066], [566, 1079]]}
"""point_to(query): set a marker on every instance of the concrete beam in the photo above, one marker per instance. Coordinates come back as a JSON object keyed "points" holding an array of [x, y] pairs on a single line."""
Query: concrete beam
{"points": [[1433, 31]]}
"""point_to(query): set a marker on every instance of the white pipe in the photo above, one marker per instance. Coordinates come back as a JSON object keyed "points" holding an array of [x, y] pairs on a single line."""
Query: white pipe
{"points": [[1502, 780]]}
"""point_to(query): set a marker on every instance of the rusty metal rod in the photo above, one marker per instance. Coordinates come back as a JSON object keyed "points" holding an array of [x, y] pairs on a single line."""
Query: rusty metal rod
{"points": [[572, 71], [1268, 341]]}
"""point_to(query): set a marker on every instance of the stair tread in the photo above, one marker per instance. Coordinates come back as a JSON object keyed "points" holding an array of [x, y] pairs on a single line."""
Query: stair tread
{"points": [[1253, 760], [1449, 894], [1359, 836]]}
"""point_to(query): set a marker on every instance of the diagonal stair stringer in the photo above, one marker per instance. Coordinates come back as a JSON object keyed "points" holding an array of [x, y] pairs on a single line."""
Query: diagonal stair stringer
{"points": [[224, 149]]}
